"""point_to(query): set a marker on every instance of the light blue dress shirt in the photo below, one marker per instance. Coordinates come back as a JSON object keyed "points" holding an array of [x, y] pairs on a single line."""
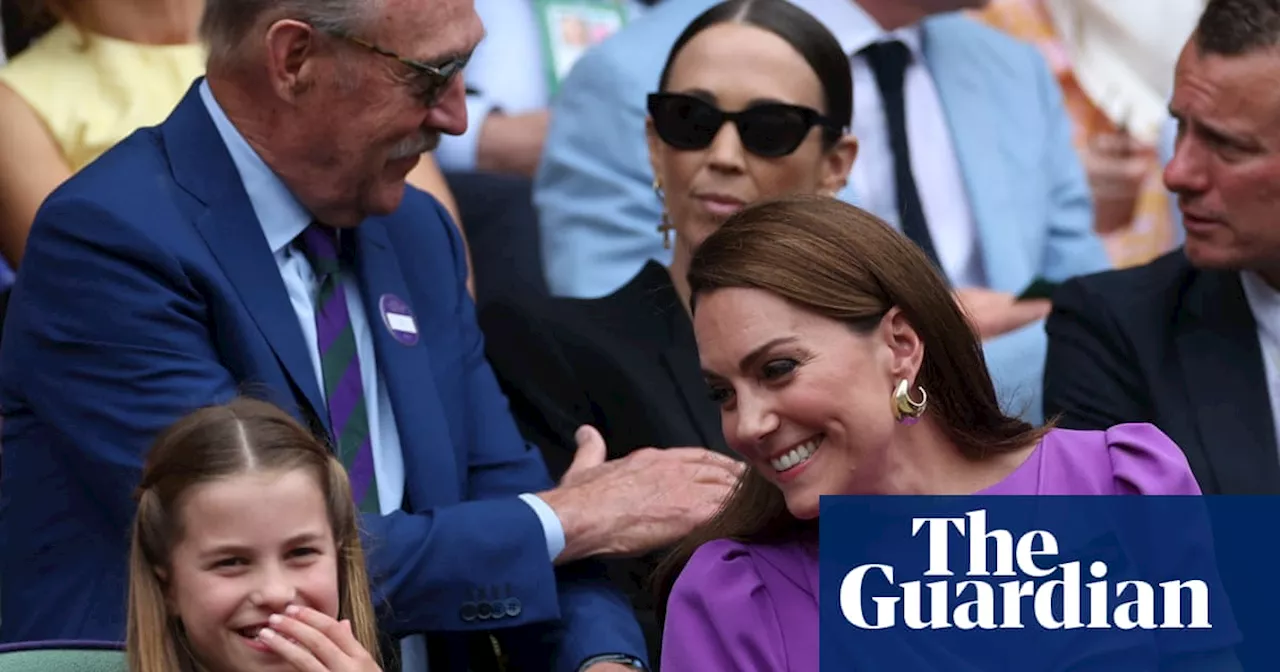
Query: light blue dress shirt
{"points": [[508, 70], [282, 219]]}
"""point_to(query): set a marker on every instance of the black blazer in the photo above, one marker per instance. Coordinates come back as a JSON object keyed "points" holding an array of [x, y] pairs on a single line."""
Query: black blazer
{"points": [[1177, 347], [626, 363]]}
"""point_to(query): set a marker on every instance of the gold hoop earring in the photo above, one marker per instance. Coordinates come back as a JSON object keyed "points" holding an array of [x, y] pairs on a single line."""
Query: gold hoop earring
{"points": [[905, 409], [665, 228]]}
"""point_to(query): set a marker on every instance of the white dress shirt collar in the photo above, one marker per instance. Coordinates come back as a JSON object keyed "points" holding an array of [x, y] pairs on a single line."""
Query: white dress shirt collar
{"points": [[1264, 303], [280, 214]]}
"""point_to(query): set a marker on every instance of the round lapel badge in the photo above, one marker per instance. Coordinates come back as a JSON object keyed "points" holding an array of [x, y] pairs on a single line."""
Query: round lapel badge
{"points": [[398, 318]]}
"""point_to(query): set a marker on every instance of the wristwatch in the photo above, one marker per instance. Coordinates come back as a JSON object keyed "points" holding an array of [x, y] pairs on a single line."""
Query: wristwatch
{"points": [[629, 661]]}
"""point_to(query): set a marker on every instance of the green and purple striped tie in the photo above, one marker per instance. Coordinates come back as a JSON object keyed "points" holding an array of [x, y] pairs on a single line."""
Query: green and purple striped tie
{"points": [[340, 365]]}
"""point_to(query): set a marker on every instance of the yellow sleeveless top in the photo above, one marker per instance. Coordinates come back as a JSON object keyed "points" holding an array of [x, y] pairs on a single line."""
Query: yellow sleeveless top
{"points": [[92, 91]]}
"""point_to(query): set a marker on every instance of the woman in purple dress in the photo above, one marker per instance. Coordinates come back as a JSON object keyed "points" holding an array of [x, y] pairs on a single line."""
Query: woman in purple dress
{"points": [[842, 366]]}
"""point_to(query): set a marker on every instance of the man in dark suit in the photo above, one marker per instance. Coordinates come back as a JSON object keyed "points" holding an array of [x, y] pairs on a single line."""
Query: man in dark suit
{"points": [[1191, 342], [262, 239]]}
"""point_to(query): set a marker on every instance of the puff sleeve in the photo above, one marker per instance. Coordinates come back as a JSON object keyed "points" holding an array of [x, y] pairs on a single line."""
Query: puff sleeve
{"points": [[720, 615]]}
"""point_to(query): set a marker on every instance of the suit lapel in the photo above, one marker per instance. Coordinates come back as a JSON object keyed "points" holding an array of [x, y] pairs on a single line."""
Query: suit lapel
{"points": [[202, 166], [231, 231], [683, 367], [680, 358], [404, 365], [972, 107], [1226, 382]]}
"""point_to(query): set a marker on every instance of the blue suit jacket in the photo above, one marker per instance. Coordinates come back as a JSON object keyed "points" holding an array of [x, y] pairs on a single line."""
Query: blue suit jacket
{"points": [[1012, 137], [148, 290]]}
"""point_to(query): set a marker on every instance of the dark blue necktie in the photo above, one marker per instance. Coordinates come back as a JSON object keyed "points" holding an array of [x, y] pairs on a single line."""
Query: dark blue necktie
{"points": [[889, 63]]}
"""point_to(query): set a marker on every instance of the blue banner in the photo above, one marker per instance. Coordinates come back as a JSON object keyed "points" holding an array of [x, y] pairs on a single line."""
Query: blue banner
{"points": [[1023, 584]]}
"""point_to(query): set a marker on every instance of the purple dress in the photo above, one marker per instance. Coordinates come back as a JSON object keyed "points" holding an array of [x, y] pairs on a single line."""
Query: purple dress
{"points": [[755, 607]]}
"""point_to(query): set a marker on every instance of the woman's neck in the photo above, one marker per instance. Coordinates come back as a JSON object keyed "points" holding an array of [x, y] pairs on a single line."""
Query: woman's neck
{"points": [[679, 269], [923, 461], [142, 21]]}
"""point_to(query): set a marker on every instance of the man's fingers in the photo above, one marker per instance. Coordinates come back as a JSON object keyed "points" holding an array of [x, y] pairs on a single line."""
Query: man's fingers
{"points": [[729, 467], [715, 475], [683, 453], [1026, 312], [1117, 144], [709, 468], [700, 456], [591, 450], [725, 461]]}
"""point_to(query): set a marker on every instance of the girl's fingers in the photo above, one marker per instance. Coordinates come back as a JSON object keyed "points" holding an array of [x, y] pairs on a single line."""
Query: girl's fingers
{"points": [[319, 643], [301, 659], [339, 633]]}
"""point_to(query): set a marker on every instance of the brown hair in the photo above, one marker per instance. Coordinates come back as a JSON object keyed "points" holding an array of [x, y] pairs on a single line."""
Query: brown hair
{"points": [[26, 21], [838, 261], [211, 444], [49, 10], [1238, 27]]}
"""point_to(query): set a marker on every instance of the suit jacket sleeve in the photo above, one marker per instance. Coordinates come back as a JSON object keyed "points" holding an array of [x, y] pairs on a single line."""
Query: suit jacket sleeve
{"points": [[1073, 248], [1090, 376], [593, 190], [501, 535], [720, 615], [120, 337]]}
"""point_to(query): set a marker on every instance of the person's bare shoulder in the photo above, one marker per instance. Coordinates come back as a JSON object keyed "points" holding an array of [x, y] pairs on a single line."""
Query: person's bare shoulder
{"points": [[31, 166]]}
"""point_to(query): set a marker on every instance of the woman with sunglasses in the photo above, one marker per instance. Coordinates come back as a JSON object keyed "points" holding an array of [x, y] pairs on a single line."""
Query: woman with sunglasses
{"points": [[751, 105]]}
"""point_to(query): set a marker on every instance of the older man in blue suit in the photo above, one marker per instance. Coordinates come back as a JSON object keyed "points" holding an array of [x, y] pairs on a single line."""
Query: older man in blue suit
{"points": [[262, 239], [964, 145]]}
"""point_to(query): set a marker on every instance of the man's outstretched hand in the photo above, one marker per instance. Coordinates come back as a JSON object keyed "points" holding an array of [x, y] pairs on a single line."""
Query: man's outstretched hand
{"points": [[638, 503]]}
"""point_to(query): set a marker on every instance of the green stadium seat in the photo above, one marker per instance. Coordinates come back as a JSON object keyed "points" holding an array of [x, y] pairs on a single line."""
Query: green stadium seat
{"points": [[62, 656]]}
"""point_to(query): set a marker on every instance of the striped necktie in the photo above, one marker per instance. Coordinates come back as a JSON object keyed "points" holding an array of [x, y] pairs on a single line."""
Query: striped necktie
{"points": [[340, 365]]}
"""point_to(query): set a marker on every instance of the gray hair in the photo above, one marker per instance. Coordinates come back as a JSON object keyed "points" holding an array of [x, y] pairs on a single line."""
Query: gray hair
{"points": [[226, 23], [1238, 27]]}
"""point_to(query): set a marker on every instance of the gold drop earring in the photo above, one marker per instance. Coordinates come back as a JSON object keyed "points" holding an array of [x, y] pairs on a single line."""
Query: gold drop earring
{"points": [[905, 409]]}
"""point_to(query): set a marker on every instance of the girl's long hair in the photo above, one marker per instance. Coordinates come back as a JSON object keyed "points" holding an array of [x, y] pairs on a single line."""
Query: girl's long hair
{"points": [[218, 442]]}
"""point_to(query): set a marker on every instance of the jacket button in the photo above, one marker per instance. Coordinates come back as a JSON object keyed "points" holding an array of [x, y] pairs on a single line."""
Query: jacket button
{"points": [[468, 611], [484, 610], [513, 607]]}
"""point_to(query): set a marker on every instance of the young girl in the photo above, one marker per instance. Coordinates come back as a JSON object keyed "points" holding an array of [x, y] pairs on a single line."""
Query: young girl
{"points": [[245, 551]]}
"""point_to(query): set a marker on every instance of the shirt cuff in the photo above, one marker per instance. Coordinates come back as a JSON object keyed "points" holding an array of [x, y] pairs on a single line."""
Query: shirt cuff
{"points": [[458, 152], [551, 526]]}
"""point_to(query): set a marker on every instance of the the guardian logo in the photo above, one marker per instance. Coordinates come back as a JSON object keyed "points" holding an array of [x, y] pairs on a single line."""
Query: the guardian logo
{"points": [[1059, 603]]}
